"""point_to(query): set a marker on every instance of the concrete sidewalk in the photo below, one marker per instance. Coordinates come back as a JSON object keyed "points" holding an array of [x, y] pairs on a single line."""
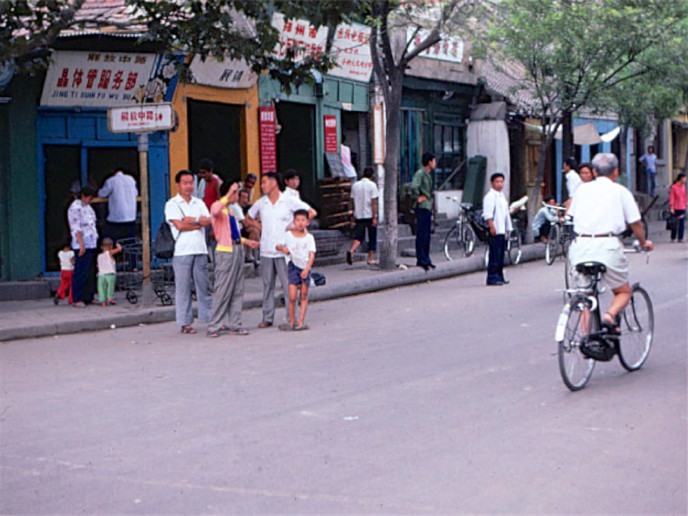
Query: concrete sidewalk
{"points": [[40, 317]]}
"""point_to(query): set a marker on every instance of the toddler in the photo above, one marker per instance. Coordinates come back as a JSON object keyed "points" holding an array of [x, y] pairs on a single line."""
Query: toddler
{"points": [[107, 272], [66, 257]]}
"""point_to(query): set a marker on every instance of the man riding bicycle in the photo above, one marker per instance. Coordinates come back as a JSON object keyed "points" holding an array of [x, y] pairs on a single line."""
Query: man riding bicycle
{"points": [[601, 209]]}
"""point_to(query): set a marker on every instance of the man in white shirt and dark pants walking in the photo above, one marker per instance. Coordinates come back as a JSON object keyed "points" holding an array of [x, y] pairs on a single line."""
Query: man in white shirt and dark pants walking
{"points": [[365, 196], [601, 209], [187, 216], [121, 191], [496, 214], [276, 212]]}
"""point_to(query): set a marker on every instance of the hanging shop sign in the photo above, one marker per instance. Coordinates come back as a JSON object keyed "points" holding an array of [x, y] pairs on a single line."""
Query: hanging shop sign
{"points": [[268, 140], [310, 40], [141, 118], [106, 79], [378, 135], [331, 144], [230, 73], [351, 46], [450, 48]]}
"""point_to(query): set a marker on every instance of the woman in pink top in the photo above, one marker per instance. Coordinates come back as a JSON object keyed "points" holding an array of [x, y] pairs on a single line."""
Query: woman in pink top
{"points": [[677, 205]]}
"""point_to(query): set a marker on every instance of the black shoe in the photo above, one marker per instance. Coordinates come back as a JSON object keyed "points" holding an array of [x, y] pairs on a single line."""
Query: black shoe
{"points": [[56, 300], [349, 258], [505, 281], [432, 265], [495, 283], [426, 268]]}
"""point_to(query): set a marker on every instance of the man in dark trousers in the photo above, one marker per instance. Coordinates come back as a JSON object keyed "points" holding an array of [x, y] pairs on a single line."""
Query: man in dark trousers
{"points": [[496, 214], [421, 190]]}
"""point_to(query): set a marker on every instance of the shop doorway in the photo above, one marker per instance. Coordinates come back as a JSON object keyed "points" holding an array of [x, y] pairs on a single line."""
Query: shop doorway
{"points": [[215, 133], [296, 145]]}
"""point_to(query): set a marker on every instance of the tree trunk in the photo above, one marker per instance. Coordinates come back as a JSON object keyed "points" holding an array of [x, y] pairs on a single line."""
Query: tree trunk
{"points": [[535, 190], [388, 245], [568, 149]]}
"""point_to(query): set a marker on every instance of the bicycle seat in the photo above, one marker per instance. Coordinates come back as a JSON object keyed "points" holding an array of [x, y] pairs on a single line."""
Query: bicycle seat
{"points": [[466, 205], [591, 268]]}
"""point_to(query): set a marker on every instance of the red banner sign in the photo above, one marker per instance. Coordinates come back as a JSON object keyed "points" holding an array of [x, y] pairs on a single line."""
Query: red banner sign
{"points": [[268, 141], [331, 144]]}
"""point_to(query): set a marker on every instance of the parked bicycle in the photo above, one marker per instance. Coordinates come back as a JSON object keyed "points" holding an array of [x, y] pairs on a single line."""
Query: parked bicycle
{"points": [[512, 253], [581, 338], [560, 235], [460, 240]]}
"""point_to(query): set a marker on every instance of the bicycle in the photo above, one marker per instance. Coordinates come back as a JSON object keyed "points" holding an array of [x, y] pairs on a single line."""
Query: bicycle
{"points": [[560, 236], [512, 253], [461, 238], [582, 340]]}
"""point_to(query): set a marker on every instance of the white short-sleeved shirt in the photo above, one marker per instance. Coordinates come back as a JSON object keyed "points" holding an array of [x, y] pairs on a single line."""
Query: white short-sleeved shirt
{"points": [[106, 264], [187, 242], [66, 258], [650, 161], [603, 207], [275, 219], [363, 192], [496, 208], [121, 192], [292, 192], [573, 181], [238, 212], [299, 248]]}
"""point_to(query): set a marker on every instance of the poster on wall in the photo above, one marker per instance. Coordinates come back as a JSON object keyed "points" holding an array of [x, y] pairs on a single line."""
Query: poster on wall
{"points": [[107, 79], [230, 73], [298, 33], [450, 48], [331, 144], [268, 140], [351, 46]]}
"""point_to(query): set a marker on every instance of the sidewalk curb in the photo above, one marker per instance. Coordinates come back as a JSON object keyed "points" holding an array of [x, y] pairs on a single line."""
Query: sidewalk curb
{"points": [[383, 281]]}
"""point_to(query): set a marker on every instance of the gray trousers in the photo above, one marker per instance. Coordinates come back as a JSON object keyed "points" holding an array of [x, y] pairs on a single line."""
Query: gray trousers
{"points": [[187, 269], [269, 269], [228, 294]]}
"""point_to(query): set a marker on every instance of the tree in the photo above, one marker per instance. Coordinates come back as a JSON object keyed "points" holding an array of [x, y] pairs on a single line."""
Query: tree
{"points": [[573, 52], [238, 29], [391, 53]]}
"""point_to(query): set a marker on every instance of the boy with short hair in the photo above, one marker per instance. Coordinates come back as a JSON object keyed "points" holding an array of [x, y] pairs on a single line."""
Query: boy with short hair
{"points": [[107, 272], [66, 257], [299, 247]]}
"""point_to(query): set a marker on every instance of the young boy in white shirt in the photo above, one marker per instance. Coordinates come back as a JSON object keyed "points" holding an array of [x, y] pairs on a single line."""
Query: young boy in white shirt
{"points": [[66, 257], [299, 247]]}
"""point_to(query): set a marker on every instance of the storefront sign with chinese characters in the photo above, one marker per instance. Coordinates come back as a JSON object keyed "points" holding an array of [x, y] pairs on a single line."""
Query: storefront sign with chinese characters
{"points": [[141, 118], [105, 79], [230, 73], [378, 135], [298, 33], [331, 144], [268, 140], [450, 48], [351, 45]]}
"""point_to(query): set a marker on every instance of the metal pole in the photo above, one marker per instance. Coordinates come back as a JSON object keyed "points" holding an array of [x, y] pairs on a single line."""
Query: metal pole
{"points": [[146, 287]]}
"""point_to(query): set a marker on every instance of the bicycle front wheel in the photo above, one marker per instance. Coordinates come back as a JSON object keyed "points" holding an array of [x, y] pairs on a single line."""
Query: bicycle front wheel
{"points": [[552, 244], [468, 240], [576, 322], [452, 244], [515, 249], [637, 329]]}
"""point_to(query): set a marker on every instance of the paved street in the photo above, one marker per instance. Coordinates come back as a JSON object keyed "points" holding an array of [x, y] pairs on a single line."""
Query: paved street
{"points": [[443, 397]]}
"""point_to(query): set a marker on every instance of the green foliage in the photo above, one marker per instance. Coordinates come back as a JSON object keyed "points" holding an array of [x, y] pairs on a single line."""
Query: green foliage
{"points": [[239, 29]]}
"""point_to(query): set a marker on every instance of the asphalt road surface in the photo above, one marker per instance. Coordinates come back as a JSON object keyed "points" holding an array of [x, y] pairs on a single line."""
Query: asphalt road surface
{"points": [[444, 397]]}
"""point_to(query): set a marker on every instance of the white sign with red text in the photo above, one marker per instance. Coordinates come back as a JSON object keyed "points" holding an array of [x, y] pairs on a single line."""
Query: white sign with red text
{"points": [[351, 46], [96, 79], [450, 48], [298, 33], [141, 118]]}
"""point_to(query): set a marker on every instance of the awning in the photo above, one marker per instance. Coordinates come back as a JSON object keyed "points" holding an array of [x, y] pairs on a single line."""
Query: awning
{"points": [[584, 134]]}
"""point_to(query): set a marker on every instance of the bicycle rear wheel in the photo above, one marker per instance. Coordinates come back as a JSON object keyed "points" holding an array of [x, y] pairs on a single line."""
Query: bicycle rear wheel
{"points": [[514, 249], [469, 239], [637, 329], [452, 244], [552, 244], [576, 322]]}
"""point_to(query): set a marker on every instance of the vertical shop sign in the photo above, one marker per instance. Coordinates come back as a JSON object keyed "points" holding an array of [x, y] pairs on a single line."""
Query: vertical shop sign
{"points": [[351, 46], [331, 134], [268, 141], [378, 135]]}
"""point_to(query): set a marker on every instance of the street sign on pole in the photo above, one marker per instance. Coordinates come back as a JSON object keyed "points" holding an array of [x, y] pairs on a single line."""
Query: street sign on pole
{"points": [[141, 118]]}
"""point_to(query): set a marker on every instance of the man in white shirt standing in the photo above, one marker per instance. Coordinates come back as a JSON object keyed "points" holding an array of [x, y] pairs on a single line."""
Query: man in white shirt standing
{"points": [[365, 196], [496, 214], [187, 216], [573, 180], [120, 189], [276, 212], [601, 209]]}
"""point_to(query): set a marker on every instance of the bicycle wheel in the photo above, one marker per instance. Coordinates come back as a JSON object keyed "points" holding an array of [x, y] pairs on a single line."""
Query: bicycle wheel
{"points": [[576, 321], [552, 244], [469, 239], [452, 244], [514, 249], [637, 329]]}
